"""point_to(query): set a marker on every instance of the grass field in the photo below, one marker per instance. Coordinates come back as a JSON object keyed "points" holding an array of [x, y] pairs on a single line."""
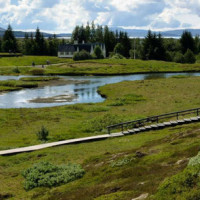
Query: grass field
{"points": [[21, 65], [29, 82], [118, 168], [119, 66]]}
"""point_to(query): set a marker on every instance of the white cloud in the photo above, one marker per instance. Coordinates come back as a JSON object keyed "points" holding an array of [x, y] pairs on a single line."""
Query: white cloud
{"points": [[63, 15]]}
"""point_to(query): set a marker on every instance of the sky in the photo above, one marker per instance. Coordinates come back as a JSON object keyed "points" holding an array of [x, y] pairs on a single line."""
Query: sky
{"points": [[61, 16]]}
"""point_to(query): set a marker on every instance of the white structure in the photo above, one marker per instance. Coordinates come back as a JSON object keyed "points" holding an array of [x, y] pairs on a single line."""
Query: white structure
{"points": [[68, 50]]}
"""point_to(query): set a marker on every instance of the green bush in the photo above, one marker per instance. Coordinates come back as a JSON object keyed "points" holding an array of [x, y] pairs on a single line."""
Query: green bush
{"points": [[37, 71], [16, 70], [98, 52], [82, 55], [185, 185], [179, 58], [189, 57], [99, 124], [117, 56], [45, 174], [42, 134], [122, 162]]}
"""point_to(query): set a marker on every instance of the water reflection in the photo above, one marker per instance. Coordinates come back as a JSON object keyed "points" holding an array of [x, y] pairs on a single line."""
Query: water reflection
{"points": [[86, 92]]}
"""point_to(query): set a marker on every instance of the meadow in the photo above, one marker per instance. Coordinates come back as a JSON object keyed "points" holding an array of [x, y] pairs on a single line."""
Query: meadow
{"points": [[62, 66], [116, 168]]}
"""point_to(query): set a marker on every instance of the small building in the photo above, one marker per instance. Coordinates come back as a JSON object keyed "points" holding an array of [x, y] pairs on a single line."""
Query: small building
{"points": [[68, 50]]}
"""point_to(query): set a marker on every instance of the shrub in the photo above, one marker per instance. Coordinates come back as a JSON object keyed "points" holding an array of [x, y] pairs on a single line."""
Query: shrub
{"points": [[119, 48], [122, 162], [45, 174], [82, 55], [42, 133], [189, 57], [117, 56], [16, 70], [37, 71], [98, 52], [184, 185], [99, 124], [179, 58]]}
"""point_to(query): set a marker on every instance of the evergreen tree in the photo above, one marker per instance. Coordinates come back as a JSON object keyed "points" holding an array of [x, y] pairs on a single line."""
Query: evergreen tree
{"points": [[87, 32], [197, 44], [153, 47], [93, 32], [99, 34], [9, 42], [126, 45], [187, 42]]}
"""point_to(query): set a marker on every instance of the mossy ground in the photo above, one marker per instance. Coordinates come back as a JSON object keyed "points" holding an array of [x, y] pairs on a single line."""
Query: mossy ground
{"points": [[117, 168]]}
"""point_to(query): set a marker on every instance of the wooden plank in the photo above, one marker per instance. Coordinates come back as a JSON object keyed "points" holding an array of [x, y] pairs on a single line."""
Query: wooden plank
{"points": [[154, 126], [180, 121], [161, 125], [42, 146], [148, 127], [194, 118], [187, 120], [167, 123], [173, 122], [136, 130]]}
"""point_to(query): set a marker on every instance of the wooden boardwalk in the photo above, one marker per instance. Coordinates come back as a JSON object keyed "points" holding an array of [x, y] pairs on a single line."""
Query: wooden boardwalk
{"points": [[102, 137]]}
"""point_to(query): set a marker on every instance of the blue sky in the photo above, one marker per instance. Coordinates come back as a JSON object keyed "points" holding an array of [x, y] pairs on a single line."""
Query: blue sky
{"points": [[61, 16]]}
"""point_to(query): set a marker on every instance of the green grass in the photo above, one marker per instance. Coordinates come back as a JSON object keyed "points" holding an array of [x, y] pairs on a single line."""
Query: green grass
{"points": [[90, 67], [24, 63], [29, 82], [116, 168], [120, 66]]}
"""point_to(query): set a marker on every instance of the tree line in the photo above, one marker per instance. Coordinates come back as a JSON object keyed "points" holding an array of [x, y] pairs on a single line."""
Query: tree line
{"points": [[92, 33], [152, 47], [29, 45], [155, 47]]}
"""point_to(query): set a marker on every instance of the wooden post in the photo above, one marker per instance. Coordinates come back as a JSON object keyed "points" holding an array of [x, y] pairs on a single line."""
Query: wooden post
{"points": [[177, 115], [109, 130]]}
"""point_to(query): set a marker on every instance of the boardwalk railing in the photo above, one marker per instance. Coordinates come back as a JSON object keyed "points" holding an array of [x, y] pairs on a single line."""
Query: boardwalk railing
{"points": [[142, 122]]}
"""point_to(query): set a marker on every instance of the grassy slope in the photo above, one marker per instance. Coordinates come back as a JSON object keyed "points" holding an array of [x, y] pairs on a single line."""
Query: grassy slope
{"points": [[114, 169], [8, 65]]}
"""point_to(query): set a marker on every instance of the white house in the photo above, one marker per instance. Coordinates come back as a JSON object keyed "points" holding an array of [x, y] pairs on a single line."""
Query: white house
{"points": [[68, 50]]}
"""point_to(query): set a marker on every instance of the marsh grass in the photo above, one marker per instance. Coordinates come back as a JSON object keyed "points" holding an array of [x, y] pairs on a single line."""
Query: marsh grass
{"points": [[120, 66], [140, 162]]}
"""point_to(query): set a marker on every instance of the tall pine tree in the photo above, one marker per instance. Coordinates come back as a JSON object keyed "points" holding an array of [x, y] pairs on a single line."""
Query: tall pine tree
{"points": [[9, 42]]}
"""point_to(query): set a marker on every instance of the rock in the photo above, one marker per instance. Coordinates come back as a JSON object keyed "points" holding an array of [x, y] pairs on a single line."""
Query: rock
{"points": [[140, 154], [180, 162], [141, 197]]}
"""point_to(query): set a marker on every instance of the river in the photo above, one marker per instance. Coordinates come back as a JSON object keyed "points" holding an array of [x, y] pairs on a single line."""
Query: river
{"points": [[84, 92]]}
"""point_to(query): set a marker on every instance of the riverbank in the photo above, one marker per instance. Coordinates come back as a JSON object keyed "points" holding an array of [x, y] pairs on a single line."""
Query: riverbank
{"points": [[119, 67], [115, 166], [36, 82]]}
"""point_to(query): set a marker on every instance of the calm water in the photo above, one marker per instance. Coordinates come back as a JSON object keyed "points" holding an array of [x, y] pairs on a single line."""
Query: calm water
{"points": [[86, 92]]}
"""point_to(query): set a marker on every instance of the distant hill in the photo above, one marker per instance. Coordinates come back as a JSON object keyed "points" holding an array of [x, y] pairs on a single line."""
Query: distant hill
{"points": [[131, 32], [20, 34], [143, 33]]}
